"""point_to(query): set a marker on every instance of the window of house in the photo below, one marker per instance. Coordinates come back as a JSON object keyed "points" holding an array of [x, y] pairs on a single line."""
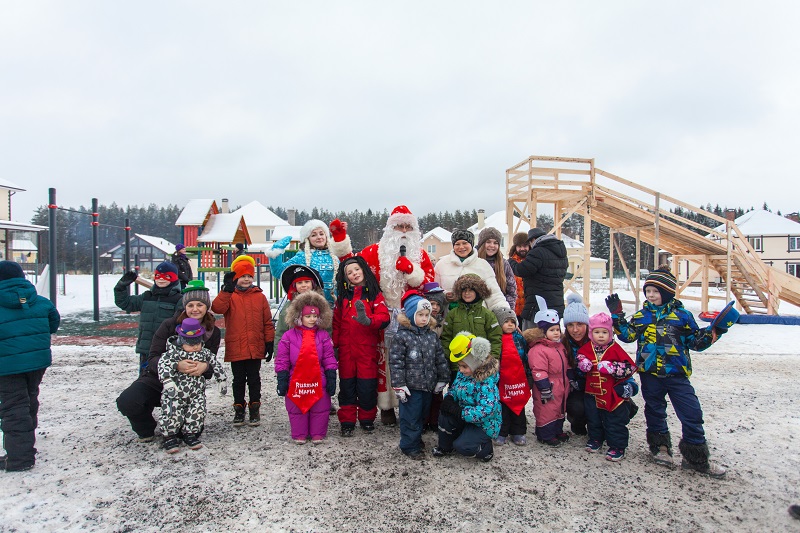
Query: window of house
{"points": [[755, 242], [794, 244], [269, 235], [431, 248], [793, 269]]}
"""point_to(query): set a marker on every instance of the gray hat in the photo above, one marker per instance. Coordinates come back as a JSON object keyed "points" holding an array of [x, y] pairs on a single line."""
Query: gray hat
{"points": [[503, 314], [462, 235], [575, 310], [196, 291], [535, 233], [489, 233]]}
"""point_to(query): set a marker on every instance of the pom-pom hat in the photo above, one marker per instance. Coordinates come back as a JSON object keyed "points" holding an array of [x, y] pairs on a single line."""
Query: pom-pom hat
{"points": [[472, 350], [663, 280], [575, 310]]}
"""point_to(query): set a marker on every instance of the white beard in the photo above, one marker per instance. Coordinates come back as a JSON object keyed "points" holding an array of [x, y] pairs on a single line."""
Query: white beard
{"points": [[393, 282]]}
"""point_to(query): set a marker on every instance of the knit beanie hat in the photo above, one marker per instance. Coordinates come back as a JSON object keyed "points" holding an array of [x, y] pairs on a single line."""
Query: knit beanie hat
{"points": [[462, 235], [10, 269], [489, 233], [167, 270], [413, 305], [575, 310], [471, 349], [503, 314], [663, 280], [196, 291], [535, 233], [604, 321], [243, 265], [180, 246], [190, 331]]}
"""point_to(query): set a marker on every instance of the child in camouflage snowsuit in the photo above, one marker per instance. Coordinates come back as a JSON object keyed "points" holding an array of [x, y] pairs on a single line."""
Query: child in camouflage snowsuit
{"points": [[183, 399]]}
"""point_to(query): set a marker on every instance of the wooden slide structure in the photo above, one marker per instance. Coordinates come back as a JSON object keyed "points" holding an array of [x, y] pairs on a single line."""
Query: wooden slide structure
{"points": [[576, 186]]}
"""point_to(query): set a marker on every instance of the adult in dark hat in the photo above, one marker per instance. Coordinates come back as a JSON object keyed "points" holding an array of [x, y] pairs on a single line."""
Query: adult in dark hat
{"points": [[180, 260], [26, 322], [542, 272]]}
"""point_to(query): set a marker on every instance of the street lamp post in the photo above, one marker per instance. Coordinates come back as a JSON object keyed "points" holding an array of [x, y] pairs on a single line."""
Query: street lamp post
{"points": [[75, 258]]}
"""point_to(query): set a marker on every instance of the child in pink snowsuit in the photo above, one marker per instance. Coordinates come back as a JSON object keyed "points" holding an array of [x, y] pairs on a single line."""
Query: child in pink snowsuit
{"points": [[306, 367]]}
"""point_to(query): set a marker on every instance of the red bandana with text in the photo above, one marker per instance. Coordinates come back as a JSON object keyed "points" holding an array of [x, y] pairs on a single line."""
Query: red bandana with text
{"points": [[305, 387], [513, 384]]}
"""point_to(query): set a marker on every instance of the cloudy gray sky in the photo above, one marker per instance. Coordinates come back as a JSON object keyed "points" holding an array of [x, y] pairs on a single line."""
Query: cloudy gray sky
{"points": [[353, 104]]}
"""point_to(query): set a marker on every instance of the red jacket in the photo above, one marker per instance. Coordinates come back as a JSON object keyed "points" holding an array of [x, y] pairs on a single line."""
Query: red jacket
{"points": [[248, 323], [599, 385], [351, 338]]}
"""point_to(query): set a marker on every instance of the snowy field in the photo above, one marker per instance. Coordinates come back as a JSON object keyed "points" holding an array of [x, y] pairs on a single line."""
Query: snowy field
{"points": [[92, 475]]}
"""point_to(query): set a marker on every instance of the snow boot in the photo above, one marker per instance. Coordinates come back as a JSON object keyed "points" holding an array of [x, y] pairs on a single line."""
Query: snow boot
{"points": [[660, 445], [794, 511], [347, 429], [192, 440], [695, 457], [388, 418], [238, 415], [255, 417], [172, 444]]}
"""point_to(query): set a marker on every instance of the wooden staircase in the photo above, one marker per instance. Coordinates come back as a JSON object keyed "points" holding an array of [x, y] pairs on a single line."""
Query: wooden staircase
{"points": [[574, 187]]}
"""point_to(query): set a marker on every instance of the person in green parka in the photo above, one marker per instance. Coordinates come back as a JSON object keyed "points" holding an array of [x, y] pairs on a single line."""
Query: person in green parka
{"points": [[26, 322], [155, 305], [469, 314]]}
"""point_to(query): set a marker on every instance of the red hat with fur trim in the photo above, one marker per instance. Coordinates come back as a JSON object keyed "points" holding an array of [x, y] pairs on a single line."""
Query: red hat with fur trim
{"points": [[402, 215], [243, 265]]}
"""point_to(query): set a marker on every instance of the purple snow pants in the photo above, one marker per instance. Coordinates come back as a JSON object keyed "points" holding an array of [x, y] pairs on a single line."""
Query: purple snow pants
{"points": [[313, 423]]}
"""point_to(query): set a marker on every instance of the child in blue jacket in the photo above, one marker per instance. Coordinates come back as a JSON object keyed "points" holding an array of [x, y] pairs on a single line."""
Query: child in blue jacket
{"points": [[470, 415], [665, 332]]}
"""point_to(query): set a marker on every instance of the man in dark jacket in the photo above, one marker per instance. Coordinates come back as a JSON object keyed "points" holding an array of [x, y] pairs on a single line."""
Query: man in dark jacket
{"points": [[542, 272], [180, 260], [26, 322]]}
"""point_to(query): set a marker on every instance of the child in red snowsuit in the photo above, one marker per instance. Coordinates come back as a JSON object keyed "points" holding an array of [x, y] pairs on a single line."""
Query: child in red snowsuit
{"points": [[359, 319]]}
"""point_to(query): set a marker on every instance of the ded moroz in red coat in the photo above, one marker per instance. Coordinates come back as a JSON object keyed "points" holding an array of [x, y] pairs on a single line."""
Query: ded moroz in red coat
{"points": [[248, 323], [599, 385]]}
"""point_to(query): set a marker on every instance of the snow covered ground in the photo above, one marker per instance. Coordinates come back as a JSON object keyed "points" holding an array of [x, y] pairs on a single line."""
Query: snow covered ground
{"points": [[91, 474]]}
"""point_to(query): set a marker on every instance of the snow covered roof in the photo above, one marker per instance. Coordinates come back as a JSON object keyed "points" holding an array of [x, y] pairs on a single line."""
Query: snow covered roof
{"points": [[5, 184], [569, 242], [760, 222], [438, 232], [157, 242], [225, 228], [255, 214], [20, 226], [196, 212], [23, 245], [498, 221]]}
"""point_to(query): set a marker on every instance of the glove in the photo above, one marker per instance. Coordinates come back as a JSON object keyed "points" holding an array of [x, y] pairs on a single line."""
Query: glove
{"points": [[337, 230], [403, 264], [624, 390], [128, 277], [402, 394], [283, 382], [450, 406], [362, 317], [614, 304], [228, 284], [269, 349], [547, 395], [584, 365], [282, 243], [330, 382], [606, 368], [439, 387], [170, 389], [223, 387], [574, 385]]}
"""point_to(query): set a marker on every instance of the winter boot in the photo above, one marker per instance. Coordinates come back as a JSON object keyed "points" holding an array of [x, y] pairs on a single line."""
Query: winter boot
{"points": [[238, 415], [388, 418], [695, 457], [172, 444], [486, 453], [660, 445], [255, 417], [367, 425], [347, 429], [794, 511], [192, 440]]}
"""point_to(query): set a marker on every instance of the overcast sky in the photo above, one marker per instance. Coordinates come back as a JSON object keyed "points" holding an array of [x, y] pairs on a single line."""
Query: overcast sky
{"points": [[348, 105]]}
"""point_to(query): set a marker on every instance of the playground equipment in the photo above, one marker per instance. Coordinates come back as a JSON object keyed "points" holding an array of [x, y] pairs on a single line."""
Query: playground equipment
{"points": [[576, 186]]}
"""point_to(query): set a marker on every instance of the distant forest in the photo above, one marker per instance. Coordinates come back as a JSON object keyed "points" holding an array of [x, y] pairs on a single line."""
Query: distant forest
{"points": [[364, 227]]}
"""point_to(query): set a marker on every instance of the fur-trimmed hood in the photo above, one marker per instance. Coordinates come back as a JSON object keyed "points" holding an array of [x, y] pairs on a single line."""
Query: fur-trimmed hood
{"points": [[403, 320], [490, 367], [533, 335], [309, 298], [474, 282]]}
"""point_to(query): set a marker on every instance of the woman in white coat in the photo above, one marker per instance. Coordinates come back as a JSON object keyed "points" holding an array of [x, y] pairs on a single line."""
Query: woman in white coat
{"points": [[464, 260]]}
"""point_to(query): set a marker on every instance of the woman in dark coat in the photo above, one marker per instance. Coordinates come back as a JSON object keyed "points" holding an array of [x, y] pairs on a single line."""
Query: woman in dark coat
{"points": [[138, 401]]}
